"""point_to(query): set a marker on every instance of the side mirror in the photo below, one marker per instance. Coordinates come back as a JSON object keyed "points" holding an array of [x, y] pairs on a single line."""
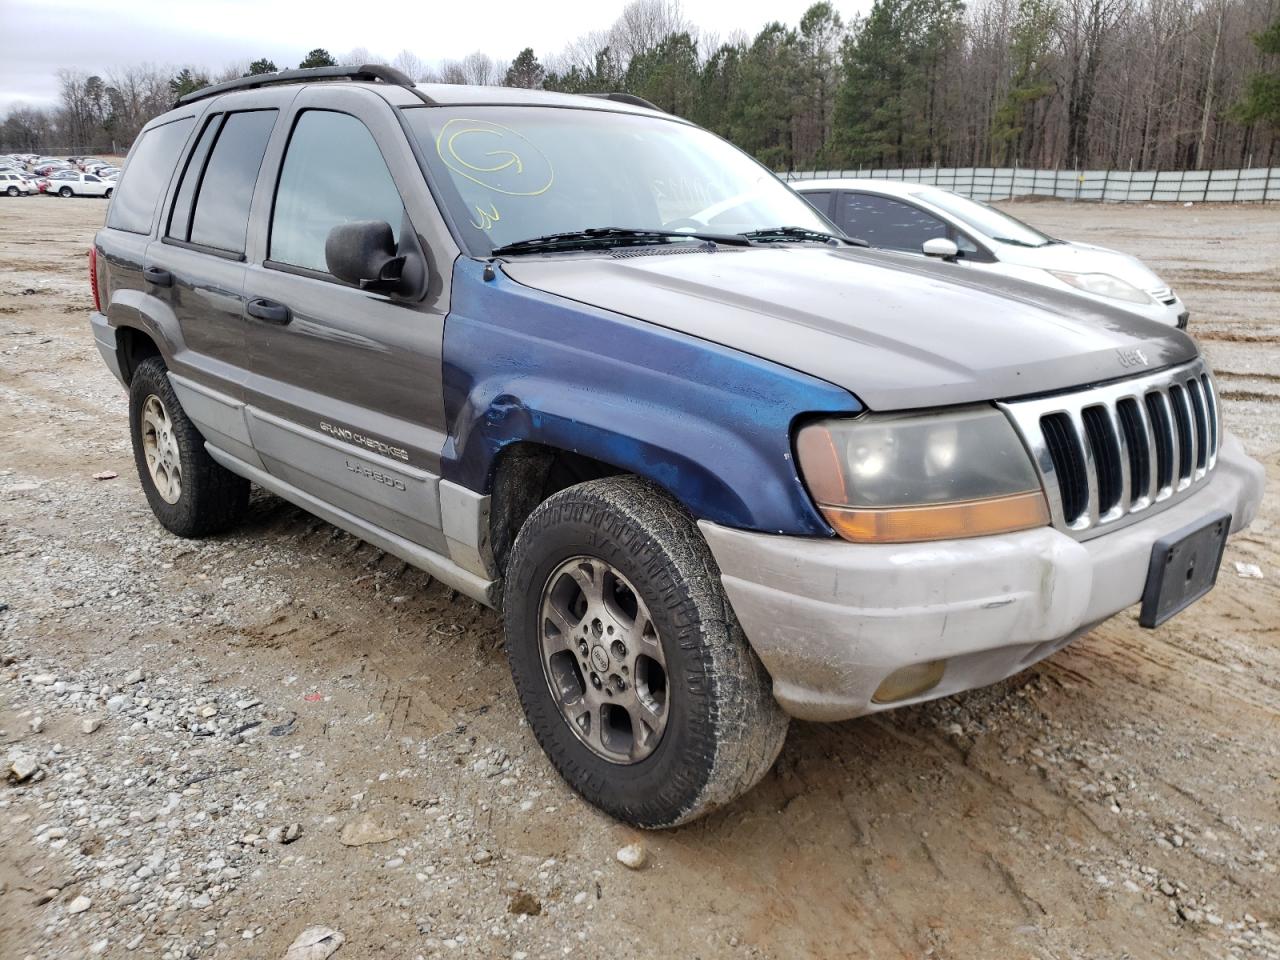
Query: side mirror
{"points": [[363, 252], [941, 247]]}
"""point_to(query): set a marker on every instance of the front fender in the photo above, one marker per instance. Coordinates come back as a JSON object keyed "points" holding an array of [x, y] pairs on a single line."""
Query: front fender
{"points": [[709, 424]]}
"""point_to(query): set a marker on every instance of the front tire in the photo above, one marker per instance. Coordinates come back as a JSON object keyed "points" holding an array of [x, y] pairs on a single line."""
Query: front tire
{"points": [[12, 191], [108, 193], [630, 665], [190, 493]]}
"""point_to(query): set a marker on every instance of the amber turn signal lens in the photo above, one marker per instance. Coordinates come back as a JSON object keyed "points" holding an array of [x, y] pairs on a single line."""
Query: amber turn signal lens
{"points": [[945, 521], [909, 681]]}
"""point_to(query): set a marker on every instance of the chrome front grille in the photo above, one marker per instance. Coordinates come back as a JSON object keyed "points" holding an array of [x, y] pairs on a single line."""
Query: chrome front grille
{"points": [[1109, 454]]}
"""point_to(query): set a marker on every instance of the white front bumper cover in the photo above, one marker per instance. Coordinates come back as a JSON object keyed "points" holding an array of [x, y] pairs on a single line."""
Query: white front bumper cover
{"points": [[830, 619]]}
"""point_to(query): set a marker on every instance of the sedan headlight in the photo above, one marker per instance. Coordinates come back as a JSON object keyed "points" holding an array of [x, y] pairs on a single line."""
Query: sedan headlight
{"points": [[1103, 285], [908, 477]]}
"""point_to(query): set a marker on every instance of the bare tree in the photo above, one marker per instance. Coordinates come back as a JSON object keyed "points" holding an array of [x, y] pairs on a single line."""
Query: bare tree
{"points": [[480, 70], [411, 65], [1083, 30], [451, 72], [643, 24]]}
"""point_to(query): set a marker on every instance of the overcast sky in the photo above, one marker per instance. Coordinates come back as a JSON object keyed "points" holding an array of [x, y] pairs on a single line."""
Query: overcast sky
{"points": [[39, 36]]}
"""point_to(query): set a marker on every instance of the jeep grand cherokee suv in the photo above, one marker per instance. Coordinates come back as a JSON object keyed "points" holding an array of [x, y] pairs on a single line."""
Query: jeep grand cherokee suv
{"points": [[594, 367]]}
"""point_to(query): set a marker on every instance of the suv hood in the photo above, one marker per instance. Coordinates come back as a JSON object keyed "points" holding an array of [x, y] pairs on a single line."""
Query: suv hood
{"points": [[897, 332], [1083, 258]]}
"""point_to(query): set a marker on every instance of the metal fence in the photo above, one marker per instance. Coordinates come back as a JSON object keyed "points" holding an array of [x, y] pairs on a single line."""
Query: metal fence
{"points": [[1004, 183]]}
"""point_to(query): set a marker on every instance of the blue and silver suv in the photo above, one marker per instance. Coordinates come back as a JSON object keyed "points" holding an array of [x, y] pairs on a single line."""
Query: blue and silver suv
{"points": [[593, 366]]}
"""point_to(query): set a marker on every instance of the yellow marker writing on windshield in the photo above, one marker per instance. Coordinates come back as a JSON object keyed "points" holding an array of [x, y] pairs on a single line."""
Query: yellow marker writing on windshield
{"points": [[495, 157], [487, 217]]}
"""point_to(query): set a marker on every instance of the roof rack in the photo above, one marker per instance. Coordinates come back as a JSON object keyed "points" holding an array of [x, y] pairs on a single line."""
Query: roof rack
{"points": [[630, 98], [367, 73]]}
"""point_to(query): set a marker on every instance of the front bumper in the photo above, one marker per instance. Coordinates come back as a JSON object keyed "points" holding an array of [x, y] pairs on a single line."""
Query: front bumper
{"points": [[830, 620]]}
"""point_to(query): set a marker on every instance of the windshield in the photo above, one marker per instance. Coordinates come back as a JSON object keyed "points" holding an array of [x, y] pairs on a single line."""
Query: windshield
{"points": [[985, 219], [508, 174]]}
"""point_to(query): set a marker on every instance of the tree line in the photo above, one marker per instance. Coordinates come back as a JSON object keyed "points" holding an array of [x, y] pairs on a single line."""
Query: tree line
{"points": [[1119, 84]]}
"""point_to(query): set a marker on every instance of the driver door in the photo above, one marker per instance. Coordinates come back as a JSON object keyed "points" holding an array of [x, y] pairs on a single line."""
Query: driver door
{"points": [[345, 401]]}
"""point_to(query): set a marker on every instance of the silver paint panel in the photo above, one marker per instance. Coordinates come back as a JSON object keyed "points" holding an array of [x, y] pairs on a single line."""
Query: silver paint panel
{"points": [[1026, 416], [446, 571], [219, 417], [897, 331], [382, 491], [466, 528]]}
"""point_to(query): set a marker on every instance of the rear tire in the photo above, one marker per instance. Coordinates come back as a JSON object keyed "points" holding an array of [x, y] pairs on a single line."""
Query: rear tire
{"points": [[64, 192], [712, 727], [190, 493], [12, 191]]}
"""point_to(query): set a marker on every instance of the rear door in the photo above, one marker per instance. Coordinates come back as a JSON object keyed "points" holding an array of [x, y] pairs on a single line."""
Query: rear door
{"points": [[346, 401], [197, 267]]}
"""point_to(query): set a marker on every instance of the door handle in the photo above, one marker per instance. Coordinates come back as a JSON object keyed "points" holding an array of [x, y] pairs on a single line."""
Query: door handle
{"points": [[269, 311], [158, 275]]}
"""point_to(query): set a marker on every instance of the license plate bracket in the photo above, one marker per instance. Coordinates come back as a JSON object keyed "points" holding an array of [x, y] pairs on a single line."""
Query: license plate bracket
{"points": [[1184, 567]]}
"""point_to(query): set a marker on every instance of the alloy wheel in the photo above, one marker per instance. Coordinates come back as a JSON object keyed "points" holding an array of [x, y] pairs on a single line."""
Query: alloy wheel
{"points": [[160, 449], [603, 660]]}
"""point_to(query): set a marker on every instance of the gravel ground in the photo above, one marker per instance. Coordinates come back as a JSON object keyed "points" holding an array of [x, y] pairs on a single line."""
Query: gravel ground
{"points": [[223, 743]]}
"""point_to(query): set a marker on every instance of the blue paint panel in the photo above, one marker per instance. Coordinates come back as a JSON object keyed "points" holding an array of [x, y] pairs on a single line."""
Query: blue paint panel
{"points": [[709, 424]]}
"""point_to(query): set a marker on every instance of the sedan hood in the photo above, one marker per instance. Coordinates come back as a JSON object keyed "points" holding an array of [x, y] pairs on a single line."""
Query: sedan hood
{"points": [[897, 332], [1074, 257]]}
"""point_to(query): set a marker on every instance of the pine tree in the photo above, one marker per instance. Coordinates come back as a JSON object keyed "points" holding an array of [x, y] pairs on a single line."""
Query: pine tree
{"points": [[259, 67], [1030, 82], [525, 71], [886, 109], [319, 57], [666, 74], [185, 82], [1261, 101]]}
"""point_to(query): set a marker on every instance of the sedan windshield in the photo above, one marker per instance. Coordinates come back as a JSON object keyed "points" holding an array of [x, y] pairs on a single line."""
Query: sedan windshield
{"points": [[985, 219], [511, 174]]}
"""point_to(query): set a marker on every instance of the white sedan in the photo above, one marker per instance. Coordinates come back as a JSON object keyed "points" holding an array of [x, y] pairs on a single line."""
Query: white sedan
{"points": [[69, 183], [921, 219]]}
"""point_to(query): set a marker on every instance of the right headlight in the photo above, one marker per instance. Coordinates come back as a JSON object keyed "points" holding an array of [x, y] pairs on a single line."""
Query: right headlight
{"points": [[932, 476], [1103, 285]]}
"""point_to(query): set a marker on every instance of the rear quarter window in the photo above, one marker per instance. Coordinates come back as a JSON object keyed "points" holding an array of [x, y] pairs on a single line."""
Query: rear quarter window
{"points": [[220, 218], [146, 175]]}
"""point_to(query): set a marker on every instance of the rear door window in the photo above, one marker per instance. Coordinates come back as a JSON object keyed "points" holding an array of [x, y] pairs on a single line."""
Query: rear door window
{"points": [[180, 215], [333, 173], [220, 217], [140, 186], [885, 223]]}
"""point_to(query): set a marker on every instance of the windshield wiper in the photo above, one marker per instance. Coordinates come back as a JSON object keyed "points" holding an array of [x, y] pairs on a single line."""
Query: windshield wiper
{"points": [[798, 234], [1022, 243], [600, 237]]}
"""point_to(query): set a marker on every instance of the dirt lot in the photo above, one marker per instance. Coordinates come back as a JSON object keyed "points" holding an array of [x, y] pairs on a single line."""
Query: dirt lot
{"points": [[1119, 800]]}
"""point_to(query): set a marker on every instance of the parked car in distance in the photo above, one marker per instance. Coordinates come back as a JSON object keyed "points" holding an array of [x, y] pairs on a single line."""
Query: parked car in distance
{"points": [[596, 368], [107, 172], [930, 221], [69, 183], [15, 184]]}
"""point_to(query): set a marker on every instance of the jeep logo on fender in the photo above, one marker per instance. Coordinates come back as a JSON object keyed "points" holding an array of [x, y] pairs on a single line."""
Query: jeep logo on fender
{"points": [[1132, 358]]}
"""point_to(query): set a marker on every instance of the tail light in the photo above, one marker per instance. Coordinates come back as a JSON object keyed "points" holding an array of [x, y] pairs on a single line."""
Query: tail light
{"points": [[93, 279]]}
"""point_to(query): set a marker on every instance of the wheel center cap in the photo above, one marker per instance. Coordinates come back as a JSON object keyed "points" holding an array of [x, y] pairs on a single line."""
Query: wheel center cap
{"points": [[599, 658]]}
